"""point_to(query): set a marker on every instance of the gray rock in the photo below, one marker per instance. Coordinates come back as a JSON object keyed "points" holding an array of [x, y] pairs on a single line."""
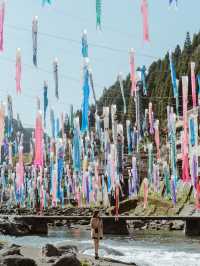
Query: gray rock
{"points": [[67, 260], [16, 260], [50, 251], [10, 251]]}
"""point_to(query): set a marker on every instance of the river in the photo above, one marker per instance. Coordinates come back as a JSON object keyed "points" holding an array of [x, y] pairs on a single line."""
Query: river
{"points": [[145, 249]]}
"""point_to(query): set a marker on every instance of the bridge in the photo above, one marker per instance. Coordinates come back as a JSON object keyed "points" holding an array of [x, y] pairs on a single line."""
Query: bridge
{"points": [[40, 222]]}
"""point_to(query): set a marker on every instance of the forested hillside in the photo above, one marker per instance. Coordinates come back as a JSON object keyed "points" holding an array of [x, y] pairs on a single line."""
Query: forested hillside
{"points": [[158, 82]]}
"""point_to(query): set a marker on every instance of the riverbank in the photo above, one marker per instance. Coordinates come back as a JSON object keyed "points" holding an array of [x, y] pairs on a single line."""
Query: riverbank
{"points": [[51, 256]]}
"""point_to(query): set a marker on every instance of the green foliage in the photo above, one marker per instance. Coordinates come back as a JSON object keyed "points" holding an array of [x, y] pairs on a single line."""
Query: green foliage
{"points": [[160, 91]]}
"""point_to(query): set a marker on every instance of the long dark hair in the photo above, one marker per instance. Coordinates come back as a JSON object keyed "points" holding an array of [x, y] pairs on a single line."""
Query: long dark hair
{"points": [[95, 213]]}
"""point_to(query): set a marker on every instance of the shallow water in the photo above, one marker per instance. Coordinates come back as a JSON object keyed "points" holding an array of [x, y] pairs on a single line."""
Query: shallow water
{"points": [[149, 249]]}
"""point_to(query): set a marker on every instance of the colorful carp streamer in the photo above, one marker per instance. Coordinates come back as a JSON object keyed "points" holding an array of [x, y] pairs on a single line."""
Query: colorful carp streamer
{"points": [[151, 130], [34, 38], [173, 189], [166, 175], [173, 1], [86, 95], [18, 71], [193, 82], [120, 79], [144, 11], [157, 139], [172, 142], [46, 2], [2, 16], [2, 125], [10, 117], [129, 140], [98, 13], [92, 86], [52, 120], [76, 146], [150, 162], [84, 44], [198, 80], [135, 177], [185, 159], [38, 141], [45, 95], [55, 71], [145, 184], [174, 81], [132, 72]]}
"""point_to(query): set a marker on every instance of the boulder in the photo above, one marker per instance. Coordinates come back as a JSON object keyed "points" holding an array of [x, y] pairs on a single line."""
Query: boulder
{"points": [[115, 227], [11, 251], [13, 228], [67, 260], [16, 260], [50, 251]]}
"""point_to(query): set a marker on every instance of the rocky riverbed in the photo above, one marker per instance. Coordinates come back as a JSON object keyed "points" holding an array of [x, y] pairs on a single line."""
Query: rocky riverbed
{"points": [[50, 255]]}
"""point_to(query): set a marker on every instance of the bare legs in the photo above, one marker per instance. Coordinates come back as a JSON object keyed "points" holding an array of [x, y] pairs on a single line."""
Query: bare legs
{"points": [[96, 247]]}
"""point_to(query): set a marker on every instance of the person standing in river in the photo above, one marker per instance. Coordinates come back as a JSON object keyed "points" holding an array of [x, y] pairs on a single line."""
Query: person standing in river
{"points": [[96, 225]]}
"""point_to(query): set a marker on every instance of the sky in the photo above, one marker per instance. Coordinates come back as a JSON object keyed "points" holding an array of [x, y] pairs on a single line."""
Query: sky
{"points": [[60, 28]]}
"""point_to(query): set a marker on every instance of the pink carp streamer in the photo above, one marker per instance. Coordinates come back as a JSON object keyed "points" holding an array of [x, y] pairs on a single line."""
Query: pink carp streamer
{"points": [[185, 159], [2, 16], [132, 72], [157, 139], [144, 11], [38, 141], [2, 124], [193, 81], [18, 71], [145, 183]]}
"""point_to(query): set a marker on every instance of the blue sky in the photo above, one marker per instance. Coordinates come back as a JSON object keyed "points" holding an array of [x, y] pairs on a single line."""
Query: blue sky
{"points": [[61, 25]]}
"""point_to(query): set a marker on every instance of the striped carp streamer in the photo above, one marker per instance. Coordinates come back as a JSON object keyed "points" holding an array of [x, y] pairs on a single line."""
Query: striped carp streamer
{"points": [[132, 72], [76, 146], [34, 38], [52, 120], [2, 16], [151, 130], [173, 189], [193, 81], [84, 44], [98, 13], [2, 125], [144, 11], [92, 86], [18, 70], [128, 132], [10, 117], [166, 175], [21, 167], [46, 101], [85, 104], [174, 80], [150, 162], [55, 71], [185, 159], [120, 79], [157, 139], [38, 140]]}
